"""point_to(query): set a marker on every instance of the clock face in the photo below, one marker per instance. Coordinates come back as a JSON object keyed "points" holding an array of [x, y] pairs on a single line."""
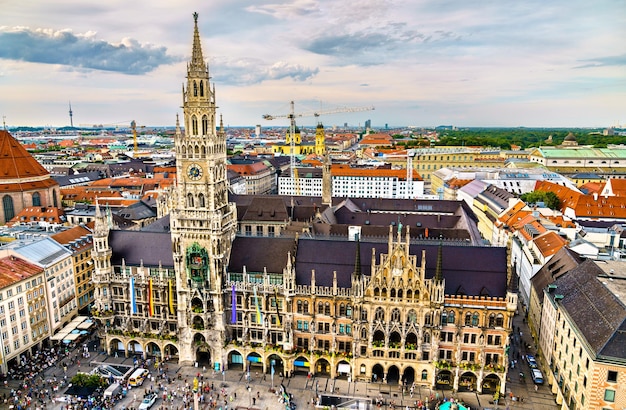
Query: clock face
{"points": [[194, 171]]}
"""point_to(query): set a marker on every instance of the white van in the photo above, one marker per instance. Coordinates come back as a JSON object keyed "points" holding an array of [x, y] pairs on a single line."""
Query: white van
{"points": [[112, 390]]}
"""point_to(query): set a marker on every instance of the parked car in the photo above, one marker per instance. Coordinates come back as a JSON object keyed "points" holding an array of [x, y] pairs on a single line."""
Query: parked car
{"points": [[532, 363], [148, 401], [537, 376]]}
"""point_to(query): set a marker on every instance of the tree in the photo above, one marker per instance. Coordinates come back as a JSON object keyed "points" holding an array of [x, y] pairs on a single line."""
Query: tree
{"points": [[549, 199]]}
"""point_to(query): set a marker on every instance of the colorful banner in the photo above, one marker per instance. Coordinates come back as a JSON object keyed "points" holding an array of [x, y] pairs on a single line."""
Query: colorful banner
{"points": [[133, 300], [150, 302], [171, 288], [233, 299], [259, 319]]}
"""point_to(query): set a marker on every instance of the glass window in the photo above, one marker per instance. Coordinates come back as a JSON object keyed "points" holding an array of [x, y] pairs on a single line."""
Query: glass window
{"points": [[609, 395]]}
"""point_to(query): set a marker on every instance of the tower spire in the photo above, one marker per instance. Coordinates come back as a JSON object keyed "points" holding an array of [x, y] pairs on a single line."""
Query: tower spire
{"points": [[197, 64], [357, 260]]}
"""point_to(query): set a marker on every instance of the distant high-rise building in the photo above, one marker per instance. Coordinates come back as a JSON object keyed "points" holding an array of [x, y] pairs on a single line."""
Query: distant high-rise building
{"points": [[257, 130]]}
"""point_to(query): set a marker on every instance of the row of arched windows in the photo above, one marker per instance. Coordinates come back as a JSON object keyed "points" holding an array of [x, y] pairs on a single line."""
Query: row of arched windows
{"points": [[198, 89], [393, 293], [200, 151]]}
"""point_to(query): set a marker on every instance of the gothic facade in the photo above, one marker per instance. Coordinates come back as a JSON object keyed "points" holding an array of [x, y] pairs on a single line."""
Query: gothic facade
{"points": [[311, 294]]}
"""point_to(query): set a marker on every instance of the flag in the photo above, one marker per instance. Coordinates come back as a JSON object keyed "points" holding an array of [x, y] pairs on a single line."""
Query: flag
{"points": [[150, 303], [277, 311], [172, 311], [133, 300], [233, 315], [259, 319]]}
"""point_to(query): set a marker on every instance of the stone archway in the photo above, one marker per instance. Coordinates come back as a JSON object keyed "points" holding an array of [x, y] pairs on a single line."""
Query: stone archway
{"points": [[393, 375], [235, 360], [276, 362], [116, 347], [171, 352], [378, 373], [322, 366], [153, 350], [491, 384], [467, 382], [408, 375], [301, 365], [135, 348], [203, 354], [444, 380]]}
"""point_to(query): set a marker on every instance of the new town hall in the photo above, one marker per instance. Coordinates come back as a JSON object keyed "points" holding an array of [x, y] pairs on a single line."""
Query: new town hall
{"points": [[369, 289]]}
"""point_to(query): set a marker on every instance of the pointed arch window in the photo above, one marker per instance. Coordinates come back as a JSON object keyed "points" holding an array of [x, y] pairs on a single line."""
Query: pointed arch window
{"points": [[194, 125], [195, 89], [205, 124], [36, 199], [201, 203], [426, 337], [444, 318], [342, 309], [499, 320], [492, 320], [380, 315], [299, 304], [349, 311], [201, 88], [320, 308], [395, 315], [305, 306], [7, 206], [468, 319], [190, 200], [327, 309], [475, 319]]}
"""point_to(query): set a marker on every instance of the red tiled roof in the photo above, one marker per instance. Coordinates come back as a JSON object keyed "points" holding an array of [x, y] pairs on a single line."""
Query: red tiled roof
{"points": [[15, 162], [14, 269], [549, 243], [38, 213]]}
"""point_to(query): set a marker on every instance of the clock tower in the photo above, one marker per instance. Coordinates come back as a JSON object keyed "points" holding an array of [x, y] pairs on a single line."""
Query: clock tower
{"points": [[203, 222]]}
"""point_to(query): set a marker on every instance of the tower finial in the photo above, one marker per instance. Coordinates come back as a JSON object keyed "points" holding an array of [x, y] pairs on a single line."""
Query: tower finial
{"points": [[195, 17]]}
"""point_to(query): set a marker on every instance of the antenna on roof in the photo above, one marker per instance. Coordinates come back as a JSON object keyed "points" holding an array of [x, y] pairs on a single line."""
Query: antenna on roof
{"points": [[4, 122]]}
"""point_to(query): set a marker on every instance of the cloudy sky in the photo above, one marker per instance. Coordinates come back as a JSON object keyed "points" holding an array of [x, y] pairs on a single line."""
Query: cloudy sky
{"points": [[418, 62]]}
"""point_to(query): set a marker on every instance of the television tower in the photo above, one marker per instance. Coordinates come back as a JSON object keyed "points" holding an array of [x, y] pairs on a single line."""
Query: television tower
{"points": [[71, 119]]}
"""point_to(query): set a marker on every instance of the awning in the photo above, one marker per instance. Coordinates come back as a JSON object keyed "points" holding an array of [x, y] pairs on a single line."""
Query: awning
{"points": [[72, 336], [59, 336], [85, 325]]}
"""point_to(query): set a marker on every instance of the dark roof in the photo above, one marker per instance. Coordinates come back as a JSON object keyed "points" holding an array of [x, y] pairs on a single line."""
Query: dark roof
{"points": [[486, 266], [596, 312], [160, 225], [137, 211], [259, 253], [266, 208], [561, 263], [83, 178], [136, 247]]}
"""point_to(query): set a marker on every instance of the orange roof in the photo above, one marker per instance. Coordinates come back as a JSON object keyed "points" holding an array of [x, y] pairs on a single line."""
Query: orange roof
{"points": [[72, 235], [15, 162], [613, 207], [592, 187], [618, 186], [248, 169], [549, 243], [38, 213], [84, 194], [458, 183], [14, 269]]}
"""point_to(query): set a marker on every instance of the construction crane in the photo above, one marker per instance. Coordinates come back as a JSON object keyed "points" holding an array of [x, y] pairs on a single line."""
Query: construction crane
{"points": [[292, 124]]}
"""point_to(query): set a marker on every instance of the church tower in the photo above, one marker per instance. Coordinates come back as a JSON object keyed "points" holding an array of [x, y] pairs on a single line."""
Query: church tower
{"points": [[203, 222]]}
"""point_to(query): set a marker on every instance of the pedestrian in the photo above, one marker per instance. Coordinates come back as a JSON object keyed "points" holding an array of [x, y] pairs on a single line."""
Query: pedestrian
{"points": [[536, 387]]}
